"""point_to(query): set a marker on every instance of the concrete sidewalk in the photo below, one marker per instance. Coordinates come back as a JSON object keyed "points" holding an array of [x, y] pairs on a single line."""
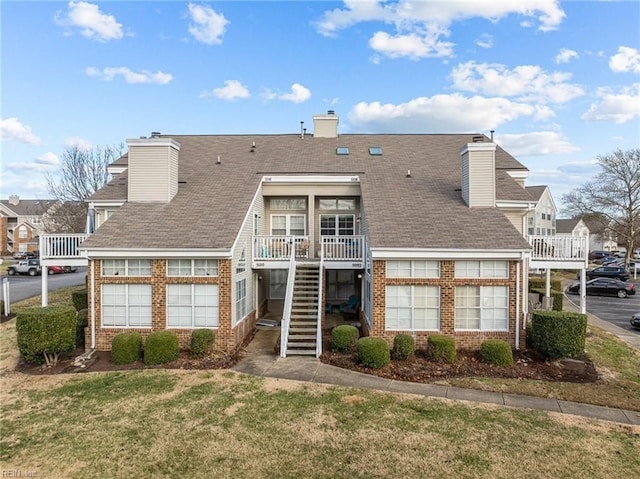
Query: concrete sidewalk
{"points": [[261, 360]]}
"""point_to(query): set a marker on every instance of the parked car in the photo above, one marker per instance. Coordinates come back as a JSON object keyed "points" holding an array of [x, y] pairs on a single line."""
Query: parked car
{"points": [[616, 272], [635, 320], [55, 270], [597, 256], [70, 269], [605, 287], [26, 266]]}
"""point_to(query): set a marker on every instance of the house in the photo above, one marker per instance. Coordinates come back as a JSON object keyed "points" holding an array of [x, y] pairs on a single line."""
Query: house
{"points": [[213, 231], [572, 227], [542, 219], [21, 223]]}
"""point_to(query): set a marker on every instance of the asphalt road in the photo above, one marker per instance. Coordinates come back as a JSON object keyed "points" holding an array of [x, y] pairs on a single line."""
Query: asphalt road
{"points": [[615, 310], [24, 286]]}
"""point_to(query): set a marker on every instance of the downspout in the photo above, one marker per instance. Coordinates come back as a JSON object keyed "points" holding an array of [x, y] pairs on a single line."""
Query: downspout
{"points": [[93, 308], [518, 304]]}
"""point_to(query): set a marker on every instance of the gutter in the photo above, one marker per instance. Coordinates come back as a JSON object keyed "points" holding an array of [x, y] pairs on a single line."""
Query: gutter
{"points": [[518, 304]]}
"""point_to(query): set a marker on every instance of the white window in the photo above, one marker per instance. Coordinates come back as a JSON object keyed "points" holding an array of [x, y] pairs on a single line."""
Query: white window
{"points": [[242, 262], [337, 225], [241, 299], [482, 269], [482, 308], [192, 267], [337, 204], [126, 305], [288, 225], [192, 305], [412, 308], [126, 267], [413, 269], [288, 203], [22, 232]]}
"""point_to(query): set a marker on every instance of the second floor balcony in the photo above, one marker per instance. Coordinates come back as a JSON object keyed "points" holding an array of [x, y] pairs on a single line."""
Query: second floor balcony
{"points": [[559, 251]]}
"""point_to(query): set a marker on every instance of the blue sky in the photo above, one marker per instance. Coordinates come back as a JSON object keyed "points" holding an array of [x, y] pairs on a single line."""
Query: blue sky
{"points": [[559, 82]]}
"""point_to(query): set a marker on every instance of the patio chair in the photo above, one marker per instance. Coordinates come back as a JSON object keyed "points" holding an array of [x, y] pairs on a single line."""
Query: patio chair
{"points": [[350, 308]]}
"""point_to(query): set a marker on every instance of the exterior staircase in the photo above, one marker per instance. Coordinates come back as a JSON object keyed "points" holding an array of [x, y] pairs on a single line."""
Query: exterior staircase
{"points": [[303, 328]]}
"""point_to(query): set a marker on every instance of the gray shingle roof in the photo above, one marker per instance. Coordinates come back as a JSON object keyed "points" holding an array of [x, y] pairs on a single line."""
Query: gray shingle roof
{"points": [[536, 191], [29, 207], [423, 211], [565, 226]]}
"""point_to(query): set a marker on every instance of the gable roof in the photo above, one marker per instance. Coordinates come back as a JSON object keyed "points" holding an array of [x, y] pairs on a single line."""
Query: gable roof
{"points": [[424, 210], [28, 207], [566, 225], [536, 192]]}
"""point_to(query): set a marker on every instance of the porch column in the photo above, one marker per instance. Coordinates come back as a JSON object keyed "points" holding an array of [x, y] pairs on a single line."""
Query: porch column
{"points": [[45, 286], [311, 220], [583, 291]]}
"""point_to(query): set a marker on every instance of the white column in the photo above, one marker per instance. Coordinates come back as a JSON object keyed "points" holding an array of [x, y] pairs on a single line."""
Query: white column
{"points": [[45, 286], [583, 291], [547, 291], [311, 221]]}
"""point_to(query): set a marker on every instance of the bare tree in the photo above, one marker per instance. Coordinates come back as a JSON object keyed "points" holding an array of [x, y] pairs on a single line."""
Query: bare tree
{"points": [[613, 196], [82, 172]]}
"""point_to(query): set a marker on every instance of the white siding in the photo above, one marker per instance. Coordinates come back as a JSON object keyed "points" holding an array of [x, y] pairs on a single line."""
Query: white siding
{"points": [[516, 219], [153, 170], [479, 174]]}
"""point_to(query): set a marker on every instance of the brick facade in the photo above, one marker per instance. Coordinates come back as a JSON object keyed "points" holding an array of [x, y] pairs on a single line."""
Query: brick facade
{"points": [[227, 337], [447, 283]]}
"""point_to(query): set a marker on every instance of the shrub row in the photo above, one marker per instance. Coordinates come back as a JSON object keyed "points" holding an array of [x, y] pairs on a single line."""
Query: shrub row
{"points": [[43, 333], [160, 346], [541, 283], [557, 295], [557, 334]]}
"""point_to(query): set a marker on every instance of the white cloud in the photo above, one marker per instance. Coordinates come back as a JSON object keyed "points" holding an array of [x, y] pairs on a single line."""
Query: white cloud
{"points": [[418, 26], [79, 143], [485, 41], [442, 114], [535, 143], [48, 159], [13, 129], [526, 82], [626, 60], [298, 94], [109, 73], [565, 55], [93, 23], [231, 90], [207, 25], [618, 107]]}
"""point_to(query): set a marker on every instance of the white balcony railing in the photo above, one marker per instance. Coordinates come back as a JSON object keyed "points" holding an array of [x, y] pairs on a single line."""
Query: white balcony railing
{"points": [[279, 248], [559, 248], [63, 246], [343, 248]]}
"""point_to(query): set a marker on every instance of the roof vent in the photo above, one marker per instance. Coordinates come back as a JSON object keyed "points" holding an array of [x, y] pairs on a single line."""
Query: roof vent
{"points": [[478, 139], [331, 112], [155, 134]]}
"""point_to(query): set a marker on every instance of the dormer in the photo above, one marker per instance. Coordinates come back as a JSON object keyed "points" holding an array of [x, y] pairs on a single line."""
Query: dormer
{"points": [[479, 173], [152, 169]]}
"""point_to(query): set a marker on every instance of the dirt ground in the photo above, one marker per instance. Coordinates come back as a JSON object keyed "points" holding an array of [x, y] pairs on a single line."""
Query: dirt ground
{"points": [[420, 368]]}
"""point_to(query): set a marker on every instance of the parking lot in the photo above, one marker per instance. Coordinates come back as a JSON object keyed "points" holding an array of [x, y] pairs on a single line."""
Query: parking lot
{"points": [[615, 310]]}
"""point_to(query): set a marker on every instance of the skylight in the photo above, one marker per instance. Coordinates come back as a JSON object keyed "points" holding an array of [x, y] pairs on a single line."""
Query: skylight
{"points": [[375, 151], [342, 150]]}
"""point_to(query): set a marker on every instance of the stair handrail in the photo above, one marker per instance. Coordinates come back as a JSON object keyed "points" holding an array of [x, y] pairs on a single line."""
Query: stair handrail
{"points": [[320, 308], [288, 304]]}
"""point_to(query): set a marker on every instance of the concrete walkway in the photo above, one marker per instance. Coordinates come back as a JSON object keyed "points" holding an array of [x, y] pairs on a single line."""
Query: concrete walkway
{"points": [[261, 360]]}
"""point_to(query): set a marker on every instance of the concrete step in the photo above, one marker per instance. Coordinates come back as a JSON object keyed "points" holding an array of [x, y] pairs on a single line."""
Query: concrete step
{"points": [[301, 352]]}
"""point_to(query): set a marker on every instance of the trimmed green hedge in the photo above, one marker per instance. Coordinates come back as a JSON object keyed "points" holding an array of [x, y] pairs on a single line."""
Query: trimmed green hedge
{"points": [[496, 351], [558, 334], [80, 299], [44, 333], [403, 347], [442, 347], [344, 338], [558, 297], [373, 352], [201, 341], [82, 322], [161, 347], [541, 283], [126, 348]]}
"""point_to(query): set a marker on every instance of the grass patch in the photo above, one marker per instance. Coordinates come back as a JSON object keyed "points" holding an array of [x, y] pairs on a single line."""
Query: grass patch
{"points": [[59, 297]]}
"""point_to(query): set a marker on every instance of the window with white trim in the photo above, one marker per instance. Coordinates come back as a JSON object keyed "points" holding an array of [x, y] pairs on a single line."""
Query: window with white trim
{"points": [[337, 225], [192, 305], [412, 308], [482, 308], [192, 267], [241, 267], [126, 267], [288, 225], [126, 305], [482, 269], [413, 269], [22, 232], [337, 204], [288, 203], [241, 299]]}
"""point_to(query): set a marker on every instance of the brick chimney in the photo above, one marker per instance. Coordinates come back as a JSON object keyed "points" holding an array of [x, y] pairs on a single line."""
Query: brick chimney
{"points": [[479, 173], [152, 169], [325, 126]]}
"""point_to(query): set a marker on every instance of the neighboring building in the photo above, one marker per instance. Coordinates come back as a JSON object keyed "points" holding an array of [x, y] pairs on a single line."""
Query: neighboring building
{"points": [[213, 231], [572, 227], [21, 223], [542, 220]]}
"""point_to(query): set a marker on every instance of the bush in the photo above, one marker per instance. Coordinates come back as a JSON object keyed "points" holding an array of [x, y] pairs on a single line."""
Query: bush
{"points": [[126, 348], [558, 334], [80, 299], [161, 347], [442, 347], [44, 333], [541, 283], [557, 296], [344, 338], [201, 341], [403, 346], [1, 307], [373, 352], [496, 351], [82, 321]]}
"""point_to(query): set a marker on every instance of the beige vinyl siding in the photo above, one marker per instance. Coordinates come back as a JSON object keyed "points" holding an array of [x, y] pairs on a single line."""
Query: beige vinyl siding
{"points": [[482, 179], [516, 219], [465, 178], [153, 173]]}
